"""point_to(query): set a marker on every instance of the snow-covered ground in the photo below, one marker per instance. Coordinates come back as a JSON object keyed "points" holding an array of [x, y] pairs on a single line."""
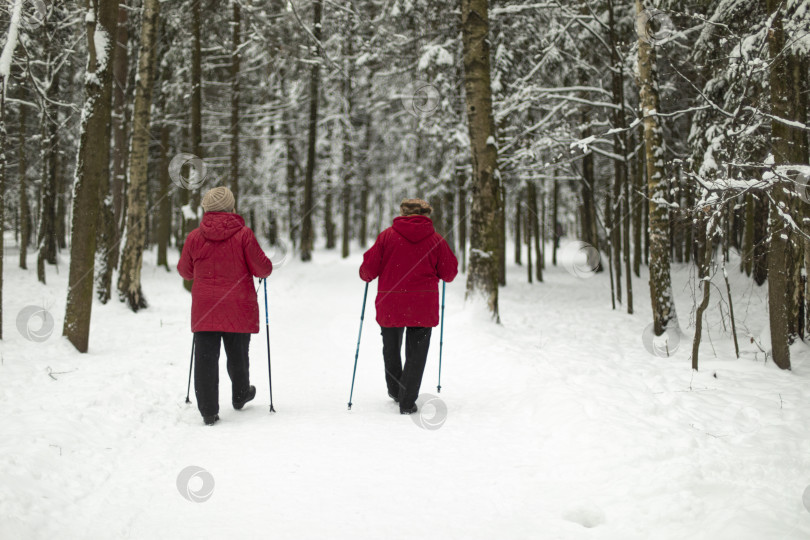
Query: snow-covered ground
{"points": [[559, 424]]}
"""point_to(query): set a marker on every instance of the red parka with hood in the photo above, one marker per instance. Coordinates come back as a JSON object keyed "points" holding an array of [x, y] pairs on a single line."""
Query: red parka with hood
{"points": [[409, 258], [222, 256]]}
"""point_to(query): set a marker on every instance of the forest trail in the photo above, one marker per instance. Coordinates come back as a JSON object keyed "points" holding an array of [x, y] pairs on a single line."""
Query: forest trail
{"points": [[559, 423]]}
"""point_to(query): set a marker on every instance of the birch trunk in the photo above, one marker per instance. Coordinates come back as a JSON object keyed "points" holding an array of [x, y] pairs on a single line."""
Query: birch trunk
{"points": [[129, 280], [663, 305], [485, 234]]}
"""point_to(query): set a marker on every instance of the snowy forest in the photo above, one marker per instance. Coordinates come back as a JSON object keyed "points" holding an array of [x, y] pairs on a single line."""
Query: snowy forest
{"points": [[592, 164]]}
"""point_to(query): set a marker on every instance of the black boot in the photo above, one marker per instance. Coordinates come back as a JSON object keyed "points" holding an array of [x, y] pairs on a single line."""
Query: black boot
{"points": [[394, 397], [211, 420], [249, 395], [409, 411]]}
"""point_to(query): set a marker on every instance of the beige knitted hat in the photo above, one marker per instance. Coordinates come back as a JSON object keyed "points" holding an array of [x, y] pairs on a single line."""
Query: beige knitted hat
{"points": [[415, 207], [218, 199]]}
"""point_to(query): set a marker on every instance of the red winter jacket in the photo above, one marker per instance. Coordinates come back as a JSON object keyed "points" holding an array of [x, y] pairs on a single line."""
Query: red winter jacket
{"points": [[409, 258], [222, 256]]}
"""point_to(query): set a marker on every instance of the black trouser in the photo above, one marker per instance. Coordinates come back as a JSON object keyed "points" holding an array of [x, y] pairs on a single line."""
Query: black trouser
{"points": [[405, 383], [206, 367]]}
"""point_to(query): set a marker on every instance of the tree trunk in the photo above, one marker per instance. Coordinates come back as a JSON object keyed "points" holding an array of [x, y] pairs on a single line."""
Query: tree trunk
{"points": [[362, 233], [92, 171], [620, 192], [165, 201], [314, 84], [461, 182], [329, 229], [235, 43], [555, 219], [3, 143], [704, 243], [638, 208], [663, 304], [528, 234], [192, 196], [347, 165], [533, 229], [449, 208], [485, 234], [46, 228], [129, 280], [518, 219], [120, 122], [63, 191], [625, 212], [761, 239], [502, 239], [588, 209], [25, 210], [787, 149], [289, 162], [747, 252]]}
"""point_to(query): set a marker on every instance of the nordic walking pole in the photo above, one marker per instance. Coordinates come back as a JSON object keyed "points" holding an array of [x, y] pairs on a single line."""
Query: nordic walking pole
{"points": [[441, 341], [191, 364], [356, 354], [267, 326]]}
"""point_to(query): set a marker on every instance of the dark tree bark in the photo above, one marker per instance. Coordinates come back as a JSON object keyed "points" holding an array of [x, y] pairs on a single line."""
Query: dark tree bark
{"points": [[165, 201], [92, 172], [314, 85], [762, 213], [787, 144], [192, 196], [518, 219], [637, 201], [555, 219], [347, 167], [46, 228], [235, 61], [533, 229], [704, 243], [528, 235], [25, 210]]}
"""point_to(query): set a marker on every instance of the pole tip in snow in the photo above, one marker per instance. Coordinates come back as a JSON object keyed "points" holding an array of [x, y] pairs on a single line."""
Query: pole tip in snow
{"points": [[272, 409], [350, 406], [439, 389]]}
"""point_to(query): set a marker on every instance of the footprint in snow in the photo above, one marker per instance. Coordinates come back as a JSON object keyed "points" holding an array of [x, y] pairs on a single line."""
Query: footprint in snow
{"points": [[587, 514]]}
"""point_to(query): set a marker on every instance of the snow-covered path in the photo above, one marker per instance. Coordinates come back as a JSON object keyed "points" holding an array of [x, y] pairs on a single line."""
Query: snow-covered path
{"points": [[559, 423]]}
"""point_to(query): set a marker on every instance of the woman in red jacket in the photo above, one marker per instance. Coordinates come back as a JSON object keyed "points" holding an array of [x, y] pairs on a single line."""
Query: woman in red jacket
{"points": [[222, 256], [410, 258]]}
